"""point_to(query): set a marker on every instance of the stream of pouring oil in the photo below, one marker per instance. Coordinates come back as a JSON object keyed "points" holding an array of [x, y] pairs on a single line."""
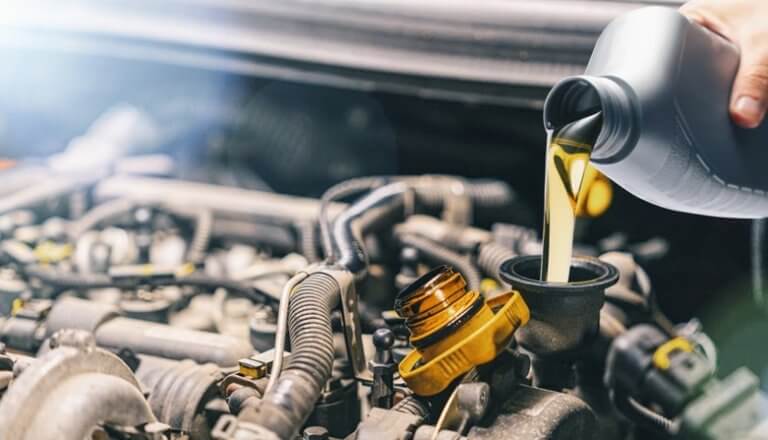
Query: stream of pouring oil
{"points": [[568, 150]]}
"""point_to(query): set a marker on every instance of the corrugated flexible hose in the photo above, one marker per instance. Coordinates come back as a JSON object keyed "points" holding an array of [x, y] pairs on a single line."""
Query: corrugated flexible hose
{"points": [[284, 409]]}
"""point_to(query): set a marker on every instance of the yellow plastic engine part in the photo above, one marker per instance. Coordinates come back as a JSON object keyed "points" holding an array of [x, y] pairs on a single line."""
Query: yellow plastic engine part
{"points": [[453, 329], [661, 355], [52, 252]]}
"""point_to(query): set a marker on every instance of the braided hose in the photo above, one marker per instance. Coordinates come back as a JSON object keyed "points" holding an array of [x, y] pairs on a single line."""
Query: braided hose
{"points": [[201, 237], [308, 241], [411, 405], [490, 257], [309, 327], [285, 408], [486, 193]]}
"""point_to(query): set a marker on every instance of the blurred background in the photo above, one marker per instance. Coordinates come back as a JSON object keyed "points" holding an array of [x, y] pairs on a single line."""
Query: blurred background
{"points": [[293, 96]]}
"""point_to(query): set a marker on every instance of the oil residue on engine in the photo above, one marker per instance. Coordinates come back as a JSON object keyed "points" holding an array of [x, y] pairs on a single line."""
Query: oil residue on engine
{"points": [[568, 152]]}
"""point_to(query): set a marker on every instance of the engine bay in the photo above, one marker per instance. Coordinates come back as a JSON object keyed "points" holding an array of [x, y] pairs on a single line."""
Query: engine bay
{"points": [[143, 306], [201, 239]]}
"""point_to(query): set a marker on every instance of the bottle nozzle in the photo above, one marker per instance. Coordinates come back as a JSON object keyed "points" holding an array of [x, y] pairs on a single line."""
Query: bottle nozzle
{"points": [[576, 98]]}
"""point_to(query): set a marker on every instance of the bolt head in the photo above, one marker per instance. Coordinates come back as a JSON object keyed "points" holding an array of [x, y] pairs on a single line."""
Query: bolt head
{"points": [[383, 339], [315, 433]]}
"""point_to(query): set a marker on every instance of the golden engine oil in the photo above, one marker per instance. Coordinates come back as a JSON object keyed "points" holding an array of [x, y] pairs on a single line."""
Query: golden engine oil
{"points": [[568, 152]]}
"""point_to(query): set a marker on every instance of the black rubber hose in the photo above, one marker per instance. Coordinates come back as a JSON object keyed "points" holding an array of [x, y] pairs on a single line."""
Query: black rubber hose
{"points": [[63, 280], [490, 256], [68, 280], [347, 229], [340, 191], [279, 238], [285, 408], [210, 283], [484, 193], [442, 255]]}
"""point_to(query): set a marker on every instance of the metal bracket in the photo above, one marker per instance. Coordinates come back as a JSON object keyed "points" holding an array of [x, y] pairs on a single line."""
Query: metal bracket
{"points": [[353, 334]]}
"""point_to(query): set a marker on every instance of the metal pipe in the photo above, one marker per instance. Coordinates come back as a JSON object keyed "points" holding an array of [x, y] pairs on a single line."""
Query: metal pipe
{"points": [[235, 202], [70, 390], [86, 401], [54, 186], [282, 327]]}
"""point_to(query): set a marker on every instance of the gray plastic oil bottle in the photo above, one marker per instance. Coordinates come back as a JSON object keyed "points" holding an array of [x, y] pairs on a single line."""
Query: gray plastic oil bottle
{"points": [[663, 84]]}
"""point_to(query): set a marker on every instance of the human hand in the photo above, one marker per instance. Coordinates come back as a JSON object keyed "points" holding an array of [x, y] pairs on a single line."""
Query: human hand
{"points": [[745, 23]]}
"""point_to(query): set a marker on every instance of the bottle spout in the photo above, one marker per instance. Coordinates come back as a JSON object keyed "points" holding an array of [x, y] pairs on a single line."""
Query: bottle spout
{"points": [[580, 97]]}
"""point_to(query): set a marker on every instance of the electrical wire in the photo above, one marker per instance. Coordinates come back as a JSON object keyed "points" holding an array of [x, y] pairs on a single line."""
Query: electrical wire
{"points": [[642, 415], [67, 280]]}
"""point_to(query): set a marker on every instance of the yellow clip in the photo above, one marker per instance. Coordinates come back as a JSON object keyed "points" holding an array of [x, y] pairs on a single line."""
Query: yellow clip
{"points": [[146, 270], [252, 368], [661, 356], [488, 285], [185, 269], [16, 306], [51, 252], [477, 348]]}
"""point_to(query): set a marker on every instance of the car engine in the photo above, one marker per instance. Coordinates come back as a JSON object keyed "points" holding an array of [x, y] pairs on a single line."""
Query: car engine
{"points": [[342, 255]]}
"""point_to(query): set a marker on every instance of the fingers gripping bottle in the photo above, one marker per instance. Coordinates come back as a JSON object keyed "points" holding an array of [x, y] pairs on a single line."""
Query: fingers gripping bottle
{"points": [[663, 86]]}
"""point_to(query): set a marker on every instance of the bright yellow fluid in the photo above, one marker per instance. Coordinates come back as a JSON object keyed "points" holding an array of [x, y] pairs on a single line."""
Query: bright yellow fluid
{"points": [[567, 163]]}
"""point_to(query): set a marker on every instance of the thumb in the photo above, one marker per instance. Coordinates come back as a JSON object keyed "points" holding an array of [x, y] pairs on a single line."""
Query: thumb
{"points": [[750, 91]]}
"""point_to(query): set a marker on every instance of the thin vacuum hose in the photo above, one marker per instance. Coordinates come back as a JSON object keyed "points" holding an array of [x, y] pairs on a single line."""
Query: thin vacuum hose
{"points": [[443, 255], [643, 416], [98, 215], [282, 328]]}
